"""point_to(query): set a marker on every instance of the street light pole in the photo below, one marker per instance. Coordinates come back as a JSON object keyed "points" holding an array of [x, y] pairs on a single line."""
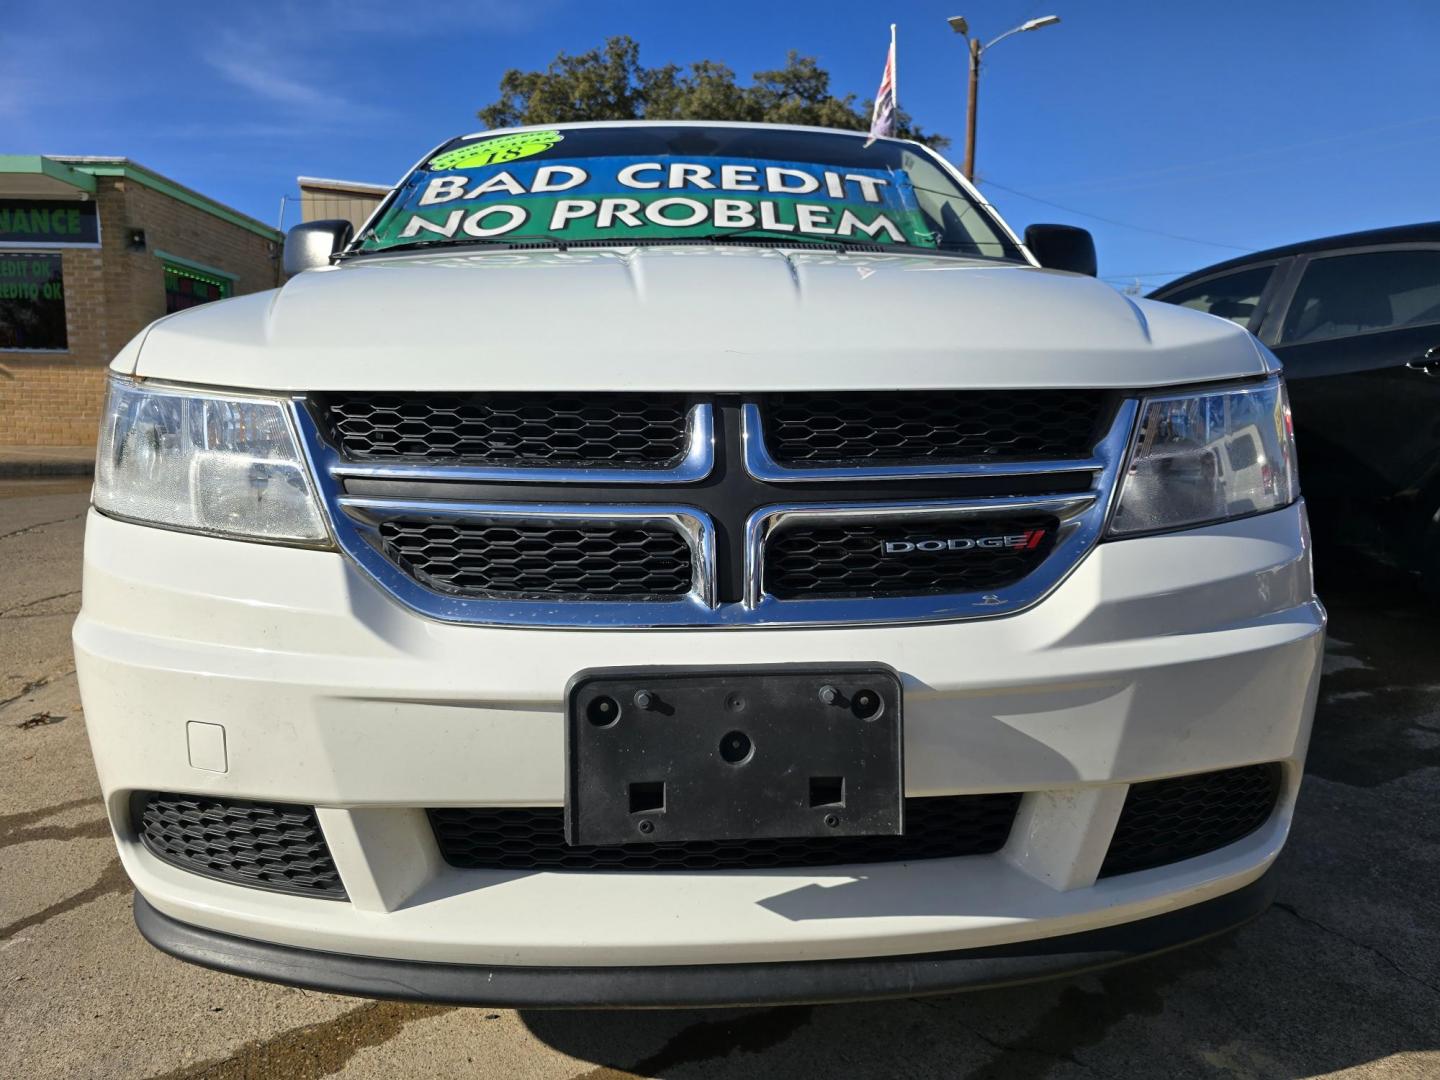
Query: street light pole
{"points": [[962, 27]]}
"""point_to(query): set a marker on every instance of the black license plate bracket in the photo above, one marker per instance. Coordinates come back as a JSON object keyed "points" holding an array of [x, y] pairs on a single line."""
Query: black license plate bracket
{"points": [[696, 754]]}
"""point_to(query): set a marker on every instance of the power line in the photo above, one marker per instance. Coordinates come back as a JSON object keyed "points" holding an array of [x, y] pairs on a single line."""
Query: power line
{"points": [[1292, 164], [1166, 172], [1113, 221], [1146, 274]]}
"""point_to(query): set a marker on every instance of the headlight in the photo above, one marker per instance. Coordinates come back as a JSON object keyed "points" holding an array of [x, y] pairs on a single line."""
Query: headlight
{"points": [[1207, 456], [211, 463]]}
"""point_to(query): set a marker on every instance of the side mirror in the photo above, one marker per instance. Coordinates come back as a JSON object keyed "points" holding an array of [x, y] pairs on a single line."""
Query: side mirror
{"points": [[1062, 247], [311, 244]]}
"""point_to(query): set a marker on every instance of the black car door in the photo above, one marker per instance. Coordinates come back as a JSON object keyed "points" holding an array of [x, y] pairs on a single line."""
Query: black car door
{"points": [[1360, 341]]}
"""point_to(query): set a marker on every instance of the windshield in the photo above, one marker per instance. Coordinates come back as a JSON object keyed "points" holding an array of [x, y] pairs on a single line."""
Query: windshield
{"points": [[656, 183]]}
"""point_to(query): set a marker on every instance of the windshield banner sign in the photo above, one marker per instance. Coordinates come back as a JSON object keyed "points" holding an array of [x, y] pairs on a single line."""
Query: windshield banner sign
{"points": [[622, 198]]}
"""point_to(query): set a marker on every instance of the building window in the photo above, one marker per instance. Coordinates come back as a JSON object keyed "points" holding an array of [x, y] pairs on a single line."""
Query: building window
{"points": [[32, 302], [186, 288]]}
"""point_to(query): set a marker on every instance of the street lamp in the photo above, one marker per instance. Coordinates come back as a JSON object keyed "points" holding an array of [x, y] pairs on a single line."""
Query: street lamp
{"points": [[959, 24]]}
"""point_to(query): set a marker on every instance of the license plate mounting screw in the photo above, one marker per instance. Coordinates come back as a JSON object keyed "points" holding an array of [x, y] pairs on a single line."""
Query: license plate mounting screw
{"points": [[603, 711], [867, 704]]}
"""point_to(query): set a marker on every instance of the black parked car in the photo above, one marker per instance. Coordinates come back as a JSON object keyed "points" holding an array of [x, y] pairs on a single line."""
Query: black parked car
{"points": [[1356, 321]]}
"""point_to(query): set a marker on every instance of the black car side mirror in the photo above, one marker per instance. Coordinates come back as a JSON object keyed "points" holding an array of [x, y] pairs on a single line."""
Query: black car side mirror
{"points": [[1062, 247], [310, 245]]}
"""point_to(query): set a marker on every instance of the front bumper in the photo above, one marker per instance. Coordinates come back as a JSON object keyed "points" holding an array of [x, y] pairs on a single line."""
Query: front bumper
{"points": [[1157, 657], [705, 986]]}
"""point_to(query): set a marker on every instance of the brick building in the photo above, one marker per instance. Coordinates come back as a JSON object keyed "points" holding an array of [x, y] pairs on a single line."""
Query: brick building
{"points": [[91, 250]]}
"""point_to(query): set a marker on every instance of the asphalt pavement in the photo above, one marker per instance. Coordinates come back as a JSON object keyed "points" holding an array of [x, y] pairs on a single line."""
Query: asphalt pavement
{"points": [[1340, 978]]}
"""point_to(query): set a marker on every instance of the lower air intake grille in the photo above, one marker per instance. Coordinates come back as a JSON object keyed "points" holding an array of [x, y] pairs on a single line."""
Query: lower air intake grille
{"points": [[820, 430], [903, 558], [516, 559], [523, 430], [273, 846], [534, 839], [1165, 821]]}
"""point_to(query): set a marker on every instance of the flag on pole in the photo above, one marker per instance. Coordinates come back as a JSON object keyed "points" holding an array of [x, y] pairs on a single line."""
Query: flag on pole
{"points": [[882, 120]]}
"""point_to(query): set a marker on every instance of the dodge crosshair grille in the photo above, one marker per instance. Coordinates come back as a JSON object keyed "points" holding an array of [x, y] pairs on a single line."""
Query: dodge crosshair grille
{"points": [[657, 510]]}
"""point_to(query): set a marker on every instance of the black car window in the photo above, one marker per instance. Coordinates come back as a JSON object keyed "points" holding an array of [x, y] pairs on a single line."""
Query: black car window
{"points": [[1356, 294], [1231, 296]]}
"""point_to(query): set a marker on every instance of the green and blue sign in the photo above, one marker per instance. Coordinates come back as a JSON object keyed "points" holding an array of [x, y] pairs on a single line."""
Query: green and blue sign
{"points": [[46, 223], [481, 192]]}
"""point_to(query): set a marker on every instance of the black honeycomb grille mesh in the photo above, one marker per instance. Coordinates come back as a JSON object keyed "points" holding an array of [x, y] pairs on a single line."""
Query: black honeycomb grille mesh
{"points": [[836, 430], [518, 559], [519, 430], [272, 846], [1165, 821], [534, 839], [851, 559]]}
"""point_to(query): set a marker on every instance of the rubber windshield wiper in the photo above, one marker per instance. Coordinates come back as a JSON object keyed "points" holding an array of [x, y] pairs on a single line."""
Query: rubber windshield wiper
{"points": [[761, 231], [563, 245], [847, 243], [469, 241]]}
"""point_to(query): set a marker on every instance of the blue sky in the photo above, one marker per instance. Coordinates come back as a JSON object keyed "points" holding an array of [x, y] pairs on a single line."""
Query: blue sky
{"points": [[1238, 124]]}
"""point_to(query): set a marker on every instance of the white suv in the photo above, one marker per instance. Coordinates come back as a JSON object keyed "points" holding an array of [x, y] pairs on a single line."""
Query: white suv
{"points": [[690, 563]]}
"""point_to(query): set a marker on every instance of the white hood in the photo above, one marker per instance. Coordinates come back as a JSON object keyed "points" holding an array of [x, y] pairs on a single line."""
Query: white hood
{"points": [[690, 319]]}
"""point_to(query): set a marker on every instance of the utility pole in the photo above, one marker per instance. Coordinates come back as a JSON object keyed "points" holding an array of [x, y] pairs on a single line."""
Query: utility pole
{"points": [[959, 24], [969, 165]]}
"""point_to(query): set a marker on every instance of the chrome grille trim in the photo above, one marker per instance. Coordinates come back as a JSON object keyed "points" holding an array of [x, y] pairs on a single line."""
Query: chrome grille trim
{"points": [[364, 515], [696, 465], [1070, 511], [762, 466], [1081, 520], [353, 520]]}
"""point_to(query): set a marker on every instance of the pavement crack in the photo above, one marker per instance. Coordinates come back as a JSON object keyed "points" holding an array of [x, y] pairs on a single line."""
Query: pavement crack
{"points": [[8, 612], [111, 880], [1290, 909], [95, 829], [313, 1051], [33, 685], [42, 525], [13, 823]]}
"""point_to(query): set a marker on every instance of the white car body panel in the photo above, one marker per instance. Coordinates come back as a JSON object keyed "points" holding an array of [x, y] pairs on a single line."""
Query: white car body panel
{"points": [[690, 319]]}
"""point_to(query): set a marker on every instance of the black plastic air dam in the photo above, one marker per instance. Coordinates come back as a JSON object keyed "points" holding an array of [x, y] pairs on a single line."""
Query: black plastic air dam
{"points": [[707, 985]]}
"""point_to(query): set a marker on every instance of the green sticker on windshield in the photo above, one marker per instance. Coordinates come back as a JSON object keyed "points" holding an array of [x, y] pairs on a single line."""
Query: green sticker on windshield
{"points": [[498, 150]]}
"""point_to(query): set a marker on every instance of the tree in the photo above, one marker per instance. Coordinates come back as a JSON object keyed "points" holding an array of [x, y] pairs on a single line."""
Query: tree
{"points": [[610, 83]]}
